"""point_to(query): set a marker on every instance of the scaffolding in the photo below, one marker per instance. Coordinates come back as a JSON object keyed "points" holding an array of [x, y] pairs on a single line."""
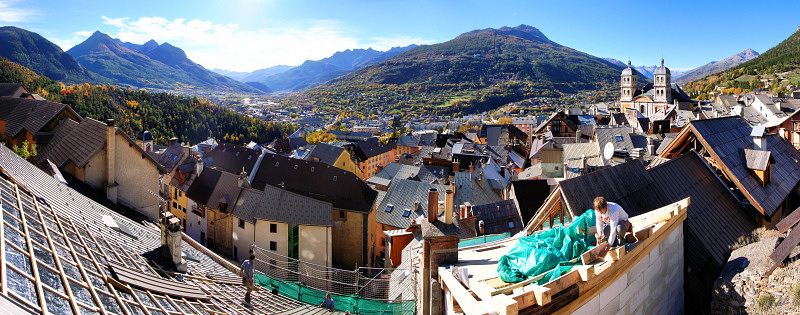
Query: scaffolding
{"points": [[362, 291]]}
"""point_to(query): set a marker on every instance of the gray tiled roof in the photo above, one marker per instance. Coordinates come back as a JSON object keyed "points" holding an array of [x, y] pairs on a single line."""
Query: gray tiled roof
{"points": [[470, 188], [574, 154], [275, 204], [499, 217], [215, 186], [396, 170], [12, 90], [408, 141], [171, 157], [728, 137], [402, 195], [28, 114], [617, 135], [232, 158], [326, 153]]}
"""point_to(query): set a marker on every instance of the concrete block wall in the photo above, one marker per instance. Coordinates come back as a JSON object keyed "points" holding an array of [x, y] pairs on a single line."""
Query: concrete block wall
{"points": [[653, 286]]}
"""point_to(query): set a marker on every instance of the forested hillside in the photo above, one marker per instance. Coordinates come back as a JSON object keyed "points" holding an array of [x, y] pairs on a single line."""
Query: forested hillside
{"points": [[190, 119]]}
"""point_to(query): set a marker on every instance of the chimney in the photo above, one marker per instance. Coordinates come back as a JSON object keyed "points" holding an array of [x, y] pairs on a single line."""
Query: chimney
{"points": [[433, 205], [448, 207], [759, 139], [416, 206], [456, 166], [173, 140], [198, 167], [578, 135], [650, 146], [171, 240], [471, 167], [111, 185], [584, 163]]}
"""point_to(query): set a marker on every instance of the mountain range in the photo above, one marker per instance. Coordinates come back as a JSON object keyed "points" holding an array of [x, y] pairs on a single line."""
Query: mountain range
{"points": [[150, 65], [315, 72], [39, 54], [475, 71], [717, 66]]}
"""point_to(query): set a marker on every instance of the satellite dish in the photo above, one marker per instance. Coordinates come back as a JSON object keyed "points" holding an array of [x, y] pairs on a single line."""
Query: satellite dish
{"points": [[608, 151]]}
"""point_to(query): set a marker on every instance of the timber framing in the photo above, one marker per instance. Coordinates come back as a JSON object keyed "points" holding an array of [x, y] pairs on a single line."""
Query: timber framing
{"points": [[573, 289]]}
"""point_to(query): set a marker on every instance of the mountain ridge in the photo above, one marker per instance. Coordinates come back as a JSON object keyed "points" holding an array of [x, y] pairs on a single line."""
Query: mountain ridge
{"points": [[718, 66], [150, 65]]}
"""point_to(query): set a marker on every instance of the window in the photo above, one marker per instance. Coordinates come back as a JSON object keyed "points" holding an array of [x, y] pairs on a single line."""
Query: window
{"points": [[510, 224], [618, 138], [389, 207], [180, 194], [406, 212], [273, 228], [241, 223], [273, 246], [184, 209], [334, 178], [341, 214], [174, 204]]}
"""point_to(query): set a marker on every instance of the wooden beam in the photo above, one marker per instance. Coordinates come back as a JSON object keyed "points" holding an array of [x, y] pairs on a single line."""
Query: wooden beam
{"points": [[607, 272], [615, 253], [644, 233], [558, 301], [468, 303], [57, 259], [586, 272], [593, 254], [563, 282], [31, 256], [783, 250], [788, 222]]}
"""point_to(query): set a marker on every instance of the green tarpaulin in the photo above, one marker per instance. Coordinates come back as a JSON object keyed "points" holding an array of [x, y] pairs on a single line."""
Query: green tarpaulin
{"points": [[545, 251]]}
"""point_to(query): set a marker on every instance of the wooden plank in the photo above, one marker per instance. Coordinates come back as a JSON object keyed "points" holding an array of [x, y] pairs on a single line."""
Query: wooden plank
{"points": [[644, 233], [586, 272], [505, 305], [615, 253], [788, 222], [784, 249], [593, 254], [607, 272], [465, 300], [560, 300], [563, 282]]}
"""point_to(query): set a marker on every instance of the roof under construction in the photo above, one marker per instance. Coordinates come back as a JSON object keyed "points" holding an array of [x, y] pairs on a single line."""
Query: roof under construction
{"points": [[66, 254]]}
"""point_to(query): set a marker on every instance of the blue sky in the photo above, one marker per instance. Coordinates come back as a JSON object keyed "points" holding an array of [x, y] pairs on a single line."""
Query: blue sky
{"points": [[246, 35]]}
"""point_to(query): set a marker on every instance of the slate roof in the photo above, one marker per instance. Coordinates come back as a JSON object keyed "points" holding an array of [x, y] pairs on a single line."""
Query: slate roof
{"points": [[727, 138], [620, 118], [316, 180], [232, 158], [372, 147], [28, 114], [619, 136], [275, 204], [403, 194], [396, 170], [215, 186], [326, 153], [342, 135], [715, 217], [757, 159], [408, 141], [12, 90], [499, 217], [431, 174], [78, 142], [171, 157], [470, 188], [574, 154]]}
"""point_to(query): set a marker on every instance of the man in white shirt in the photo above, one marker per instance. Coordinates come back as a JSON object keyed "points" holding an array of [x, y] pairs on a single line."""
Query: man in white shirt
{"points": [[611, 222]]}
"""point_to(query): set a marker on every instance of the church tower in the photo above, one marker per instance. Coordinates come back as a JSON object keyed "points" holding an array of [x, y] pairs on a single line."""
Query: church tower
{"points": [[629, 83], [662, 87]]}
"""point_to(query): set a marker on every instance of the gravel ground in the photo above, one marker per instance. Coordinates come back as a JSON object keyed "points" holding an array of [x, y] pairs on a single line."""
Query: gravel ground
{"points": [[741, 288]]}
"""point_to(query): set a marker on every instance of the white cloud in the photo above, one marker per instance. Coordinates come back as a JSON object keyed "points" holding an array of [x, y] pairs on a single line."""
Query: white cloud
{"points": [[226, 46], [77, 38], [10, 14]]}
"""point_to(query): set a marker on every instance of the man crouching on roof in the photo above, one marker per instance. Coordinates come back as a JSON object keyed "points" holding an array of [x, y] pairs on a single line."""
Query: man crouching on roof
{"points": [[612, 222]]}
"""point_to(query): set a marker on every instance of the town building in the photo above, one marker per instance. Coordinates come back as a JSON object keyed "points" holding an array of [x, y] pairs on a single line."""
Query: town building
{"points": [[31, 120]]}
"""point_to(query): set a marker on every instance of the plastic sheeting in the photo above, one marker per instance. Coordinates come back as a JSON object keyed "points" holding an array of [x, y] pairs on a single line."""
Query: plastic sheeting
{"points": [[352, 303], [542, 252]]}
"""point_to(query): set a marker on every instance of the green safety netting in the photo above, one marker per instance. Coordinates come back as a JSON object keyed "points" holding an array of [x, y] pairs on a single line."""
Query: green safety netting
{"points": [[352, 303], [548, 250], [483, 239]]}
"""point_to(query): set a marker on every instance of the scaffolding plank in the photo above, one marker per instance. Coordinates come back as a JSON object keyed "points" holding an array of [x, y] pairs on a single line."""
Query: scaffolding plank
{"points": [[784, 249], [788, 222]]}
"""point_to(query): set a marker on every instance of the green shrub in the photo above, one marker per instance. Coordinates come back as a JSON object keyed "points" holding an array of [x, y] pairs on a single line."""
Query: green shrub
{"points": [[765, 301]]}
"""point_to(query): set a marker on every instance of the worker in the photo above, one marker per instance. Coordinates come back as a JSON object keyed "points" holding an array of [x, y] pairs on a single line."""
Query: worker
{"points": [[611, 222], [327, 303], [247, 277]]}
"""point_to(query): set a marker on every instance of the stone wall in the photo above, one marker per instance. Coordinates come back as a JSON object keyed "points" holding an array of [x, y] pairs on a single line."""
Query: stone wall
{"points": [[653, 286]]}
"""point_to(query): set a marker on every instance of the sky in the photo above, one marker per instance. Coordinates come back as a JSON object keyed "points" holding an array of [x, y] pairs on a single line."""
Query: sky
{"points": [[246, 35]]}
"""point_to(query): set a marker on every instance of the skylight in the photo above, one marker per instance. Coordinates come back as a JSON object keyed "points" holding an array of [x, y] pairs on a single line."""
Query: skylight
{"points": [[389, 207], [406, 212], [618, 138]]}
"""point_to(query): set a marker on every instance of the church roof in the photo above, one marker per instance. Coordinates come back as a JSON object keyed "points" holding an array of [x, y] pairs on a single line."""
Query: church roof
{"points": [[629, 70], [662, 69]]}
